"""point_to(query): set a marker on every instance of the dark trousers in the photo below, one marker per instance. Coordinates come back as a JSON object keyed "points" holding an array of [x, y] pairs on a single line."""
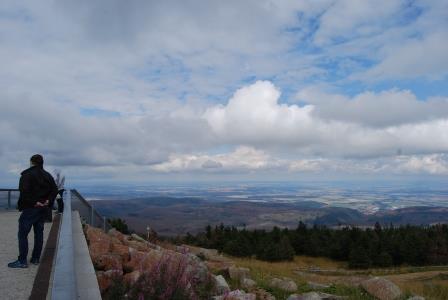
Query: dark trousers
{"points": [[31, 217]]}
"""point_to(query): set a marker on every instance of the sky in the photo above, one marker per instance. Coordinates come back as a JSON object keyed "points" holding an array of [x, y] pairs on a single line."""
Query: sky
{"points": [[139, 90]]}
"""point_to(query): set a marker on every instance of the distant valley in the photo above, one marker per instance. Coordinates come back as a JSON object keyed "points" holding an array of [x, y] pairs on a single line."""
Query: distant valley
{"points": [[171, 216]]}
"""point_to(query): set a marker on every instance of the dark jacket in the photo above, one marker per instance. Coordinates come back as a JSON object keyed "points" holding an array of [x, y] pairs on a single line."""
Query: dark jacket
{"points": [[35, 185]]}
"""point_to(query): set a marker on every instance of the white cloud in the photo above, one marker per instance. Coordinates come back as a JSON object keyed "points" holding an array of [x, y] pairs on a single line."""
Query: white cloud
{"points": [[267, 135], [347, 19], [434, 164], [383, 109], [241, 159], [248, 159], [254, 116], [412, 58]]}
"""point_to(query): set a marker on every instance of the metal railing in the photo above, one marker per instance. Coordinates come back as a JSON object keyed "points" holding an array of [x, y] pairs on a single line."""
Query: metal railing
{"points": [[87, 212], [74, 275], [9, 198], [64, 284]]}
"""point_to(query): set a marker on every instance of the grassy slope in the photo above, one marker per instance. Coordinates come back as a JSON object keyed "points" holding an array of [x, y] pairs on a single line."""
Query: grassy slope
{"points": [[426, 282]]}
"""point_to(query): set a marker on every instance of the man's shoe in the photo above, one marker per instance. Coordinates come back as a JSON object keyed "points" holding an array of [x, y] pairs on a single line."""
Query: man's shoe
{"points": [[34, 261], [17, 264]]}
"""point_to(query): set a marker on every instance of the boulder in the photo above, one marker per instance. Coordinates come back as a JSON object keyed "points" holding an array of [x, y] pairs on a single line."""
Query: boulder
{"points": [[317, 286], [263, 295], [237, 273], [219, 266], [99, 248], [138, 238], [105, 279], [135, 260], [285, 284], [183, 249], [99, 242], [96, 235], [151, 259], [114, 240], [236, 295], [140, 246], [207, 254], [381, 288], [121, 250], [104, 282], [248, 283], [108, 262], [117, 235], [221, 285], [131, 278], [197, 268], [315, 296]]}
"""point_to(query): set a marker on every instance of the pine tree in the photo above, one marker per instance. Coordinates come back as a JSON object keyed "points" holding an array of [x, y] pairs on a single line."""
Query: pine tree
{"points": [[359, 259]]}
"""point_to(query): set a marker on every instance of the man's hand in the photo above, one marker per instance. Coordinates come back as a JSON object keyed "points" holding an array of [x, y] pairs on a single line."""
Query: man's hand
{"points": [[40, 204]]}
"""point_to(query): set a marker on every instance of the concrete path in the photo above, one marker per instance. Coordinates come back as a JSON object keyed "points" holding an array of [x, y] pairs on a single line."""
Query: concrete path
{"points": [[15, 283]]}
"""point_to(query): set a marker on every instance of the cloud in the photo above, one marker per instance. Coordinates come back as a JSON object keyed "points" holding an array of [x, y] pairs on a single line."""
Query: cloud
{"points": [[434, 164], [384, 109], [346, 19], [248, 160], [253, 115], [241, 159], [369, 125], [69, 138], [412, 58], [267, 135]]}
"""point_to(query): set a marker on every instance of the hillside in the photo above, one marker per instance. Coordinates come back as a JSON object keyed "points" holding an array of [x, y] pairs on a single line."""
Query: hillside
{"points": [[129, 267], [171, 216]]}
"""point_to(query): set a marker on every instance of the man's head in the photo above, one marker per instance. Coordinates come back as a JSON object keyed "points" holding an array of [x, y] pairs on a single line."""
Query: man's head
{"points": [[37, 160]]}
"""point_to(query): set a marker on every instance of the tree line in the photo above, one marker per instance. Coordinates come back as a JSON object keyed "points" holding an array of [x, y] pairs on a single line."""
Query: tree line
{"points": [[361, 248]]}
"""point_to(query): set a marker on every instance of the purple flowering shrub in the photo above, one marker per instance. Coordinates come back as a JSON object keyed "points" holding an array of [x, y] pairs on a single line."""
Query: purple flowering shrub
{"points": [[172, 277]]}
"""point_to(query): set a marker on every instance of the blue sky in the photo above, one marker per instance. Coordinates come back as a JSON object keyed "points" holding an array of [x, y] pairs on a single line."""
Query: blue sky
{"points": [[154, 90]]}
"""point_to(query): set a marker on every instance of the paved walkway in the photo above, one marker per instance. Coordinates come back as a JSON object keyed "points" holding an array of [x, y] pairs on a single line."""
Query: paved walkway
{"points": [[15, 283]]}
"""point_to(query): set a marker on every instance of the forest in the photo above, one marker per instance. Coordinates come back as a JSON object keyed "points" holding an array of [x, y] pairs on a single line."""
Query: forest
{"points": [[361, 248]]}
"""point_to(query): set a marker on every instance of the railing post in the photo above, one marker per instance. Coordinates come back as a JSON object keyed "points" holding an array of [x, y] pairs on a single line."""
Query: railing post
{"points": [[92, 214], [104, 224], [9, 199]]}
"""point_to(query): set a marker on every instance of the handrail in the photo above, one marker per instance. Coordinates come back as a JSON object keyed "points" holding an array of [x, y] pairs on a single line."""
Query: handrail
{"points": [[74, 276], [64, 282], [9, 195]]}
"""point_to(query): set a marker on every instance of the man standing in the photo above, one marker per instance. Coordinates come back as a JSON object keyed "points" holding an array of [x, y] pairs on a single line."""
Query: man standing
{"points": [[37, 190]]}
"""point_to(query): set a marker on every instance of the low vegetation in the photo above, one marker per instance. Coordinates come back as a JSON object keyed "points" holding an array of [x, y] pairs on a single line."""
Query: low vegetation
{"points": [[119, 224], [432, 284]]}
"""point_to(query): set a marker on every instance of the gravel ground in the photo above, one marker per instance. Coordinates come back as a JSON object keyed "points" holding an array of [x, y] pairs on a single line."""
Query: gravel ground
{"points": [[15, 283]]}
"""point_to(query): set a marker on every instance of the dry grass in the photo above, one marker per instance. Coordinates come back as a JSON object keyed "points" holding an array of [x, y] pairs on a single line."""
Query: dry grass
{"points": [[430, 284], [262, 272], [301, 262]]}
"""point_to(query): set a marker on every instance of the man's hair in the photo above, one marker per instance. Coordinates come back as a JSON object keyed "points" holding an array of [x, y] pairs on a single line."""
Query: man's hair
{"points": [[37, 160]]}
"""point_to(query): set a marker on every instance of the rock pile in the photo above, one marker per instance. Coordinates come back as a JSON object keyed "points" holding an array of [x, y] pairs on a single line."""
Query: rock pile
{"points": [[119, 257], [116, 256]]}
